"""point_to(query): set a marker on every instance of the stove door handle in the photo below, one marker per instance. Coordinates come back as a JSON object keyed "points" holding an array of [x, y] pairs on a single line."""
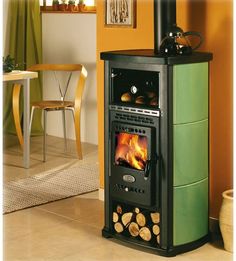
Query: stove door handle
{"points": [[148, 165], [147, 169]]}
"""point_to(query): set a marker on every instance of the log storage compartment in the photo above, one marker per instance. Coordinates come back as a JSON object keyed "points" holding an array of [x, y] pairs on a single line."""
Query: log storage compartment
{"points": [[156, 150], [136, 223]]}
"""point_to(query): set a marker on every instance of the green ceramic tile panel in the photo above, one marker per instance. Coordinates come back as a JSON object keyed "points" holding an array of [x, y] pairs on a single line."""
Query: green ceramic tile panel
{"points": [[190, 215], [190, 92], [190, 152]]}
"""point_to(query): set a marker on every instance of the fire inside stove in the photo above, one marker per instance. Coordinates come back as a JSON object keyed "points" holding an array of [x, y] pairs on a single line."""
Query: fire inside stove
{"points": [[131, 150]]}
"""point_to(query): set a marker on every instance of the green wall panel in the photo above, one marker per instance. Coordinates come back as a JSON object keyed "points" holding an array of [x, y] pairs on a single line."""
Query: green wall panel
{"points": [[190, 215], [190, 152], [190, 92]]}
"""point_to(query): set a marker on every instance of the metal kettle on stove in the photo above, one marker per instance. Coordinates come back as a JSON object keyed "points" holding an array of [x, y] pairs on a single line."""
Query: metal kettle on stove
{"points": [[176, 42]]}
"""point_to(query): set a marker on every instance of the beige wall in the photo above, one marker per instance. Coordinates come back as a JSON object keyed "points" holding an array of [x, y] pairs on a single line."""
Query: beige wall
{"points": [[213, 18], [71, 38]]}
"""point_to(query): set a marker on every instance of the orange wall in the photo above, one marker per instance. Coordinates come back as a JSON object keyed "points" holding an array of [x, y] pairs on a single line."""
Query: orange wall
{"points": [[213, 18]]}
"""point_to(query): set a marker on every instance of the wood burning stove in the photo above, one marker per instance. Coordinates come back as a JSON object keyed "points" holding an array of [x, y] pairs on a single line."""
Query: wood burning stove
{"points": [[156, 150]]}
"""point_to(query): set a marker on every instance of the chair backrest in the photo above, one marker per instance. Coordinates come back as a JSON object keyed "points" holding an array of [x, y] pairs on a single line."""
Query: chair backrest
{"points": [[66, 68]]}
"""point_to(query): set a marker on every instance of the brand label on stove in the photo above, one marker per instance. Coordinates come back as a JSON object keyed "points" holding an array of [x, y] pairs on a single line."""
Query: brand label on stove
{"points": [[129, 178]]}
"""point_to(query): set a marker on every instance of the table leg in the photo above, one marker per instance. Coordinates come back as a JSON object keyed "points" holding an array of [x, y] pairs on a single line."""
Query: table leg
{"points": [[26, 155]]}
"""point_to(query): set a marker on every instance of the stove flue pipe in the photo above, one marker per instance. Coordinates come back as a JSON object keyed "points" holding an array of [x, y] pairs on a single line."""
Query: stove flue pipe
{"points": [[164, 18]]}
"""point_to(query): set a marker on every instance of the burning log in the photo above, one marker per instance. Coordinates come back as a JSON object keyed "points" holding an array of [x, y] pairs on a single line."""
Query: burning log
{"points": [[145, 233], [134, 229], [118, 227], [135, 159], [155, 217], [156, 230], [131, 151], [140, 219], [115, 217], [126, 218]]}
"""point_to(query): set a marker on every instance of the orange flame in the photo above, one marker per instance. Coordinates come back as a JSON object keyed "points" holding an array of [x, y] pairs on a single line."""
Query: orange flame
{"points": [[132, 150]]}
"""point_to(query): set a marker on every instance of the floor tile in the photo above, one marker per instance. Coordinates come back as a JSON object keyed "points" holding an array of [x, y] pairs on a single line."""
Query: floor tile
{"points": [[22, 223], [86, 210], [55, 242]]}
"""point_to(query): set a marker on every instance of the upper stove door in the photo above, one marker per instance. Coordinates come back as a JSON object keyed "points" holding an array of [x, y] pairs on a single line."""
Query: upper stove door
{"points": [[137, 88]]}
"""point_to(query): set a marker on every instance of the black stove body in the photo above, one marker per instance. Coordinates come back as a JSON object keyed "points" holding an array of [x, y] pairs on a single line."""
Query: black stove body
{"points": [[141, 104]]}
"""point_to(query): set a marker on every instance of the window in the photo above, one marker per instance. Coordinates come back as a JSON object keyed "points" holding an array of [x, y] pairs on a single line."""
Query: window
{"points": [[86, 2], [88, 6]]}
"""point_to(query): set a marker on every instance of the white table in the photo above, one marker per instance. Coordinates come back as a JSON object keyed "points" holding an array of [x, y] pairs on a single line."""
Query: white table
{"points": [[23, 77]]}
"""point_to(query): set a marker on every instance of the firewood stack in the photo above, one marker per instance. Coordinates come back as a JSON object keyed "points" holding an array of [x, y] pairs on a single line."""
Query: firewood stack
{"points": [[136, 223]]}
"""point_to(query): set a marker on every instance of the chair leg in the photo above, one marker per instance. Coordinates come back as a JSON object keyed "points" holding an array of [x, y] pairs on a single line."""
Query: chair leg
{"points": [[77, 135], [16, 113], [45, 134], [64, 129], [31, 118]]}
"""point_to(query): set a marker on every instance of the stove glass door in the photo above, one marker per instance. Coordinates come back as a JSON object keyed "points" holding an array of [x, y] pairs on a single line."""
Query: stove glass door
{"points": [[131, 150]]}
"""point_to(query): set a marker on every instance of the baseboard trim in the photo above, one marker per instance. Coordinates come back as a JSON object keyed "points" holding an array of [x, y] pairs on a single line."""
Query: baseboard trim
{"points": [[101, 194], [214, 225]]}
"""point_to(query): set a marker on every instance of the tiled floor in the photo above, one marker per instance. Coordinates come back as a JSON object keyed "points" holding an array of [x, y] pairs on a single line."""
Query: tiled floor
{"points": [[70, 229]]}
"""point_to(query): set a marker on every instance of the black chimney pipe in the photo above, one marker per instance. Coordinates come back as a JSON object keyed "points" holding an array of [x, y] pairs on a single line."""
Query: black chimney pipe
{"points": [[164, 19]]}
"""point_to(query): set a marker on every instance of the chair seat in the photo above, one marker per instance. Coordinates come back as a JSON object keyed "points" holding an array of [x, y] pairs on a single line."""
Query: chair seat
{"points": [[52, 104]]}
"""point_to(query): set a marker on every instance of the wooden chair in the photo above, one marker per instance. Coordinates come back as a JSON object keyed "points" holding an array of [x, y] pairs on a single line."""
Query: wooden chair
{"points": [[55, 105]]}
